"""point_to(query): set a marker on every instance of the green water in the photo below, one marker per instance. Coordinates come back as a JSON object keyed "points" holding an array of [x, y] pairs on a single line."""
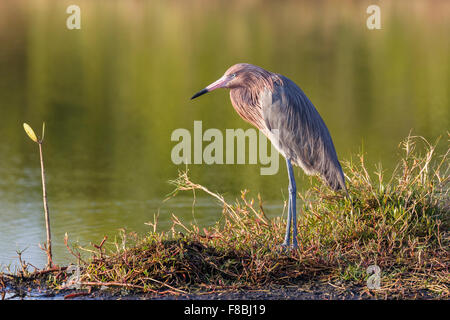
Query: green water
{"points": [[112, 93]]}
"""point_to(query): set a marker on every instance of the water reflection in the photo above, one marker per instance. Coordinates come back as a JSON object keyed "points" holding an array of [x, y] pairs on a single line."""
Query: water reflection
{"points": [[112, 93]]}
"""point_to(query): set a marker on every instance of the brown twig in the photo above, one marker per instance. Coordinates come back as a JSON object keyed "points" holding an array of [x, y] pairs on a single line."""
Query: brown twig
{"points": [[76, 294], [76, 255], [45, 271], [100, 246], [116, 284]]}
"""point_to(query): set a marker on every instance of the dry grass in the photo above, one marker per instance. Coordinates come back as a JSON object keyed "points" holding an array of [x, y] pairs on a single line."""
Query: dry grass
{"points": [[400, 224]]}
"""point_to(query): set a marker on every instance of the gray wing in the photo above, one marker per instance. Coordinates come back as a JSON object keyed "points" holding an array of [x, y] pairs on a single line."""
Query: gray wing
{"points": [[299, 132]]}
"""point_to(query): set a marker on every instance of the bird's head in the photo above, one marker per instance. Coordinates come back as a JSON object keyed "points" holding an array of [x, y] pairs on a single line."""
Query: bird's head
{"points": [[238, 75]]}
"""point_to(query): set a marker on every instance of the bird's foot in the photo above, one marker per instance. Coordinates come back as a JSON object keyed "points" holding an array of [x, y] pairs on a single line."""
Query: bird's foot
{"points": [[282, 247], [286, 247]]}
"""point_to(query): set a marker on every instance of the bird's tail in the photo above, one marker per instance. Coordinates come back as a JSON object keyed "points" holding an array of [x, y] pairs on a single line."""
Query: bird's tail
{"points": [[334, 176], [336, 181]]}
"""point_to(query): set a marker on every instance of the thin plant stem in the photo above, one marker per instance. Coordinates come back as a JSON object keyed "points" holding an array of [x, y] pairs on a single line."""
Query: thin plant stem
{"points": [[46, 212]]}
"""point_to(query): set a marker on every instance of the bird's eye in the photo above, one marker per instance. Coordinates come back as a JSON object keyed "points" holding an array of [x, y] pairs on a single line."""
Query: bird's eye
{"points": [[233, 75]]}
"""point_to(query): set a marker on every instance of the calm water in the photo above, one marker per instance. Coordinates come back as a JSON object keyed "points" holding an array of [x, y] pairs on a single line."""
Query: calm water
{"points": [[112, 93]]}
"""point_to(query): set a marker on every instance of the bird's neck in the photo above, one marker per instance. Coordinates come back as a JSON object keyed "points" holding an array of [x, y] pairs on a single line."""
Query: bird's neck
{"points": [[246, 103]]}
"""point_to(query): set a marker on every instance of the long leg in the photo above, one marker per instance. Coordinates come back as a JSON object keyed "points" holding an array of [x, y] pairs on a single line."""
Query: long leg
{"points": [[293, 201], [288, 224]]}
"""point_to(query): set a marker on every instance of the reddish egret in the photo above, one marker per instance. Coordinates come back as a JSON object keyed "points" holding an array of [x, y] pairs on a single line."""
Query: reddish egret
{"points": [[279, 108]]}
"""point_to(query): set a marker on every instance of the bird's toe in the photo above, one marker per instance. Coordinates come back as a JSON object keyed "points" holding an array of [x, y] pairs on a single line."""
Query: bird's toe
{"points": [[284, 247]]}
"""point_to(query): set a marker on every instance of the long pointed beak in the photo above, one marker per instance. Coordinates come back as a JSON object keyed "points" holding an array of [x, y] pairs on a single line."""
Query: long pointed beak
{"points": [[222, 82], [198, 94]]}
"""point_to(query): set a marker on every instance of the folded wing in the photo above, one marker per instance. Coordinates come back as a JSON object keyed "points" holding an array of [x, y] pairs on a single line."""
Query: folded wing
{"points": [[299, 133]]}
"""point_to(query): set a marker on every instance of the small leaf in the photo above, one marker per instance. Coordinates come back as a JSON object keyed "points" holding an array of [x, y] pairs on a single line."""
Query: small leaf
{"points": [[30, 132]]}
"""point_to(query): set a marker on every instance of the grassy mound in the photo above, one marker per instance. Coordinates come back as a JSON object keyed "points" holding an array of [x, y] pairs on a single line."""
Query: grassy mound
{"points": [[400, 224]]}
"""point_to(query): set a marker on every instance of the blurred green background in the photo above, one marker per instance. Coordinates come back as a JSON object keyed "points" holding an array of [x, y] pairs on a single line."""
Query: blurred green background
{"points": [[112, 93]]}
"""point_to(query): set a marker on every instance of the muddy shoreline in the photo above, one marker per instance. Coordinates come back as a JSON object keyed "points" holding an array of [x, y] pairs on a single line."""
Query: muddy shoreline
{"points": [[305, 291]]}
